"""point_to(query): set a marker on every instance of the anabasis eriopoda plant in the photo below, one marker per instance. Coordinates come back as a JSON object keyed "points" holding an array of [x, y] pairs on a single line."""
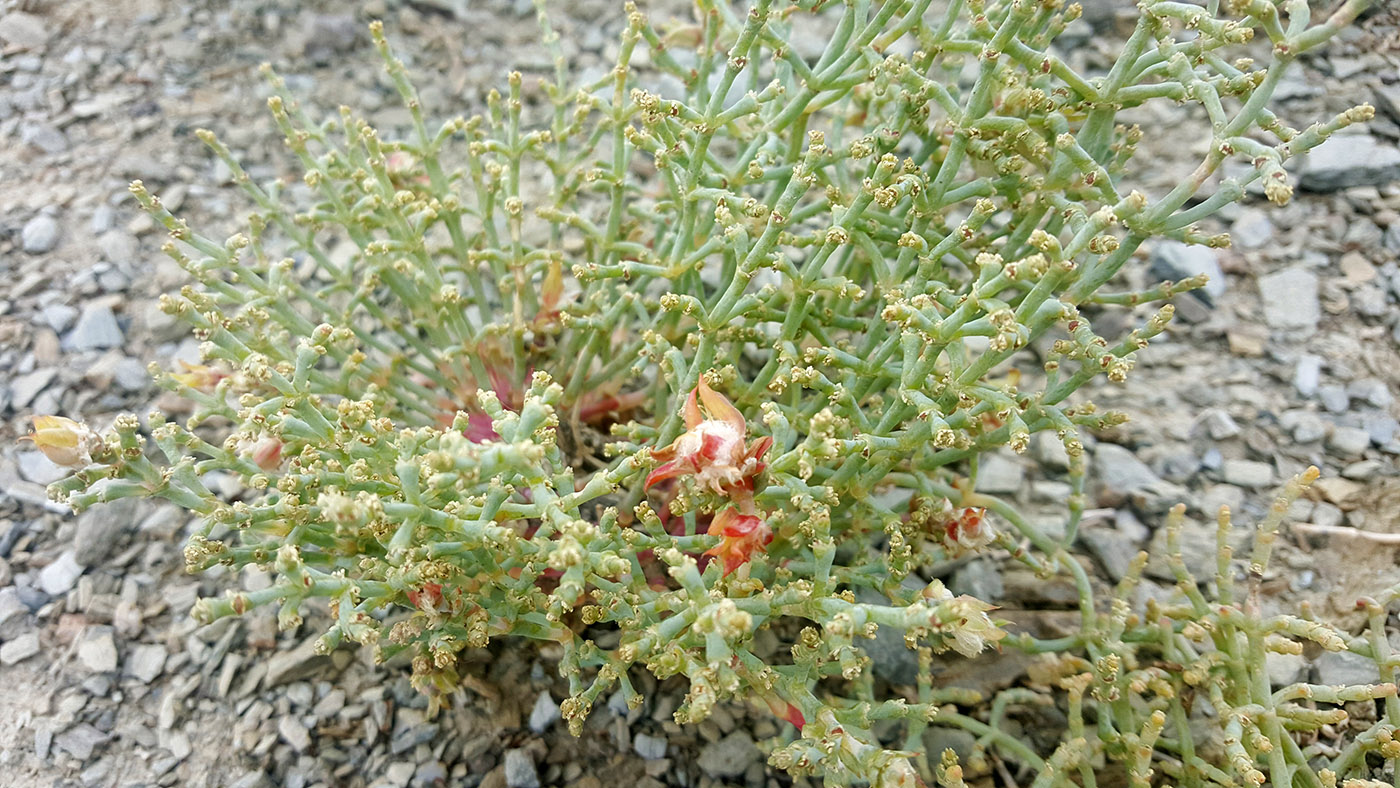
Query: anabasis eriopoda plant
{"points": [[708, 346]]}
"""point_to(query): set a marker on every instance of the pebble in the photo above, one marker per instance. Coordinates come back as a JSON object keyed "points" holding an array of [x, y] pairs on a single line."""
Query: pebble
{"points": [[295, 664], [1348, 441], [37, 468], [1049, 451], [146, 661], [1307, 374], [1363, 471], [399, 773], [330, 705], [998, 474], [1248, 473], [19, 649], [1371, 391], [1334, 398], [97, 328], [98, 651], [890, 659], [1347, 160], [23, 31], [649, 748], [80, 741], [40, 234], [59, 317], [430, 775], [1285, 669], [1114, 550], [520, 769], [544, 714], [409, 736], [59, 576], [10, 607], [1252, 228], [1290, 299], [294, 733], [1122, 476], [1305, 426], [1344, 667], [99, 528], [24, 388], [1382, 429], [1173, 260], [728, 757], [1219, 425]]}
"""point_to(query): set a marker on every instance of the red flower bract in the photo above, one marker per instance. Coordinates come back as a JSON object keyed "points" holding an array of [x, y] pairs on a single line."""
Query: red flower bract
{"points": [[740, 535], [712, 447]]}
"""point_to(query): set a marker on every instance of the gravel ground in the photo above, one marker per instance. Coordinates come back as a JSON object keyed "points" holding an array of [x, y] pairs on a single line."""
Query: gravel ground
{"points": [[1289, 359]]}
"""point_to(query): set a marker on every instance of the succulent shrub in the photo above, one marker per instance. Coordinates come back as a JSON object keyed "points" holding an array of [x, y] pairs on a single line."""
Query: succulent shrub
{"points": [[711, 346]]}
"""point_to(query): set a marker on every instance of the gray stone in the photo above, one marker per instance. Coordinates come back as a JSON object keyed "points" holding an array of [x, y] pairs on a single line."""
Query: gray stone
{"points": [[44, 136], [1334, 398], [1304, 426], [520, 770], [1175, 260], [1047, 450], [1388, 100], [1219, 425], [1248, 473], [24, 388], [10, 605], [1285, 669], [1326, 514], [23, 31], [1198, 551], [37, 468], [1363, 471], [1121, 476], [1290, 298], [938, 740], [730, 756], [40, 234], [1347, 160], [59, 317], [19, 649], [330, 705], [1345, 668], [252, 779], [412, 734], [649, 748], [979, 578], [80, 741], [1371, 391], [1368, 301], [1348, 441], [544, 714], [1307, 374], [328, 34], [294, 732], [1113, 549], [99, 529], [1252, 228], [890, 659], [998, 474], [59, 576], [97, 328], [1382, 429], [300, 663], [146, 661], [430, 775], [98, 650]]}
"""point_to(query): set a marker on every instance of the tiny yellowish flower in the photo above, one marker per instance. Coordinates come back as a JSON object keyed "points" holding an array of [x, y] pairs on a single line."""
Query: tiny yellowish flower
{"points": [[64, 441]]}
